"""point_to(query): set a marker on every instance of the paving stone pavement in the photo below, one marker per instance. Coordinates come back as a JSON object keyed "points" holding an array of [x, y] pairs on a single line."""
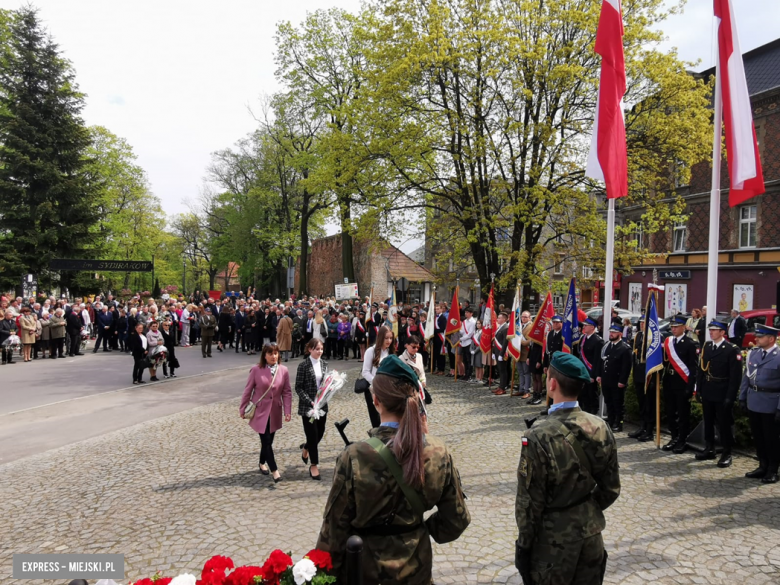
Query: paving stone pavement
{"points": [[170, 493]]}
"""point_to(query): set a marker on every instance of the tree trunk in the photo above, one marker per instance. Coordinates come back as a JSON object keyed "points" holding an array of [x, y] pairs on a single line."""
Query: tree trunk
{"points": [[303, 274], [347, 264], [212, 278]]}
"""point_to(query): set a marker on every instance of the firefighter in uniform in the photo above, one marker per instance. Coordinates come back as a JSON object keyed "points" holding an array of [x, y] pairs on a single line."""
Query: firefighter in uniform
{"points": [[613, 376], [717, 385], [679, 380], [645, 390], [760, 397], [590, 353]]}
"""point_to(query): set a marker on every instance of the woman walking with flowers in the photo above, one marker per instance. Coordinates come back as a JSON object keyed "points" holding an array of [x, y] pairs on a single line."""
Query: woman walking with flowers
{"points": [[311, 372]]}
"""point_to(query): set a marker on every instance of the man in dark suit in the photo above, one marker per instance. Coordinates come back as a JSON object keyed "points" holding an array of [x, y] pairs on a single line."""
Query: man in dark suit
{"points": [[590, 353], [105, 322], [613, 376], [645, 390], [500, 343], [374, 324], [679, 381], [240, 325], [737, 328]]}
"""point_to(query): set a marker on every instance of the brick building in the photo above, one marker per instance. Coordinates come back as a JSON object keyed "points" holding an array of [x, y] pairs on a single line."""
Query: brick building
{"points": [[749, 249], [377, 263]]}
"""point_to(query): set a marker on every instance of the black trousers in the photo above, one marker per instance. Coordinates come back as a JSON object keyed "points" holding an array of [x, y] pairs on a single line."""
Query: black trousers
{"points": [[75, 343], [589, 399], [438, 356], [267, 447], [465, 357], [102, 336], [646, 402], [343, 344], [57, 346], [615, 399], [373, 415], [314, 432], [766, 434], [503, 375], [331, 347], [717, 412], [678, 410], [138, 369], [166, 367], [8, 354]]}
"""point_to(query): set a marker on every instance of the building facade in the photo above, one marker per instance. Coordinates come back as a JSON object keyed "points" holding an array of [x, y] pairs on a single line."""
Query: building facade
{"points": [[749, 247]]}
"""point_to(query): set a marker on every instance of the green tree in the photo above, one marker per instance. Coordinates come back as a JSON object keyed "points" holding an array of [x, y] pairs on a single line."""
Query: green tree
{"points": [[482, 113], [45, 198]]}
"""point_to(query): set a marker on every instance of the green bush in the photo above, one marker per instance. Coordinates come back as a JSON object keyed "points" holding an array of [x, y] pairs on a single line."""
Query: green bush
{"points": [[741, 424]]}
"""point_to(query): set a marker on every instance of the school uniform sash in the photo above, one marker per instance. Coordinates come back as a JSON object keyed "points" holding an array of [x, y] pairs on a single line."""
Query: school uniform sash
{"points": [[675, 359], [584, 357]]}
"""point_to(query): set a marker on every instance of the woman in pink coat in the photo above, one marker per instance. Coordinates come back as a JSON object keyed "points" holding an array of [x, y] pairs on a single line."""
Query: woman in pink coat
{"points": [[272, 395]]}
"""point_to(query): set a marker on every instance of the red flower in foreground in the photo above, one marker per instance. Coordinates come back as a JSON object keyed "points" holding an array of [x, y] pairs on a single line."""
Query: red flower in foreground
{"points": [[320, 558], [218, 563], [244, 576], [163, 581], [146, 581], [276, 564]]}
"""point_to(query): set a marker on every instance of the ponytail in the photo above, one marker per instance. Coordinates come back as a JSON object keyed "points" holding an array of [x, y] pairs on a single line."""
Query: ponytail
{"points": [[403, 400]]}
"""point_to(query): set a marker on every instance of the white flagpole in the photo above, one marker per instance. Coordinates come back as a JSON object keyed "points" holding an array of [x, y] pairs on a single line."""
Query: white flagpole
{"points": [[608, 273], [712, 258]]}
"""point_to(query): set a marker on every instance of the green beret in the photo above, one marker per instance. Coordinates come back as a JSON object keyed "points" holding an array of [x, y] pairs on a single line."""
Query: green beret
{"points": [[569, 366], [393, 366]]}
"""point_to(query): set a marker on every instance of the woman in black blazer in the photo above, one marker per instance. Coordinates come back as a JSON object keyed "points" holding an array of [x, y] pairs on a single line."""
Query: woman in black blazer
{"points": [[140, 347], [311, 371]]}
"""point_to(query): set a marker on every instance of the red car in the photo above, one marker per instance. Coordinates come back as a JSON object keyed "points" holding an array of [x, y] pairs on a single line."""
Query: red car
{"points": [[758, 317]]}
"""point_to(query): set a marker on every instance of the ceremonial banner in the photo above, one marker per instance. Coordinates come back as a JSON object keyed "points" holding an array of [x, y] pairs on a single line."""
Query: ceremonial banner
{"points": [[608, 158], [515, 332], [539, 327], [488, 325], [745, 174], [370, 310], [393, 315], [652, 350], [571, 321], [430, 322], [453, 319]]}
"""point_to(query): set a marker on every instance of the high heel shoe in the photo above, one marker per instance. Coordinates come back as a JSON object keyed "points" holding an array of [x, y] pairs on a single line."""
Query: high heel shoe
{"points": [[302, 447], [264, 471], [277, 479], [314, 477]]}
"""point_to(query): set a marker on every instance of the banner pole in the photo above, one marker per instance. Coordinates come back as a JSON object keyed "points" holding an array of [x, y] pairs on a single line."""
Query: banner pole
{"points": [[658, 410]]}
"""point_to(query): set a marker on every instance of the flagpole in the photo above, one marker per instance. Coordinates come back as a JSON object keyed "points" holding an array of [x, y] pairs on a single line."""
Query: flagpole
{"points": [[658, 410], [455, 347], [606, 313], [712, 258]]}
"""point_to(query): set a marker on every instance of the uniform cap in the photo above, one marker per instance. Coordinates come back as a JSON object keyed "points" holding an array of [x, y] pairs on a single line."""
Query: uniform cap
{"points": [[557, 319], [766, 330], [616, 328], [568, 365], [678, 320], [717, 325], [590, 321], [642, 319], [393, 366]]}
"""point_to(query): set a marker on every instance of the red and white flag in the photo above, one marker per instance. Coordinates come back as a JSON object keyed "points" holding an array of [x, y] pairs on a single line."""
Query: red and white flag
{"points": [[488, 324], [746, 177], [608, 157]]}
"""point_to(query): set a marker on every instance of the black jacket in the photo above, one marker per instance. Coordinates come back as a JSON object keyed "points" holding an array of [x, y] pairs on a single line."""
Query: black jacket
{"points": [[740, 328], [615, 364], [687, 350], [306, 385], [720, 372], [73, 323], [554, 343], [136, 347], [590, 353]]}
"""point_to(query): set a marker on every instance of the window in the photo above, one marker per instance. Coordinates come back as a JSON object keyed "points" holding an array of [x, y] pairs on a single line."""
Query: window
{"points": [[679, 170], [639, 236], [680, 235], [587, 272], [747, 226], [558, 300], [558, 268]]}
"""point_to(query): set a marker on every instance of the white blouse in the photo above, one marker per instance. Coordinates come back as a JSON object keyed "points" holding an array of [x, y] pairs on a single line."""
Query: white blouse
{"points": [[369, 371], [317, 365]]}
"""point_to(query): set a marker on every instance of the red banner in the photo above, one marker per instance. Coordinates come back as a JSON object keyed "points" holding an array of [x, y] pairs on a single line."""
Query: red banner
{"points": [[539, 327], [488, 324], [453, 320]]}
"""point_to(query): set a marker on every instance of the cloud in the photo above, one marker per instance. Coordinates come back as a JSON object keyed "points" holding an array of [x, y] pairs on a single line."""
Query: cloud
{"points": [[116, 100]]}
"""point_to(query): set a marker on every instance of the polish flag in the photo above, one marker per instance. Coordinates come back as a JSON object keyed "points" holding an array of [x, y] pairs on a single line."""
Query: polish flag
{"points": [[608, 159], [745, 174]]}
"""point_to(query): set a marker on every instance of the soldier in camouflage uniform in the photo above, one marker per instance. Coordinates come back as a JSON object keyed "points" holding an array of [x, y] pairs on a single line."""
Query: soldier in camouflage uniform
{"points": [[367, 499], [568, 475]]}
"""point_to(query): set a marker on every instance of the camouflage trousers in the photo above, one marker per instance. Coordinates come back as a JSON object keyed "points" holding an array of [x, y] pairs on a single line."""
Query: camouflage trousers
{"points": [[576, 563]]}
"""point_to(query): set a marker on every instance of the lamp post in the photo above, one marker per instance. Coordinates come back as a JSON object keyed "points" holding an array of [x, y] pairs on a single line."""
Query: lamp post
{"points": [[184, 278]]}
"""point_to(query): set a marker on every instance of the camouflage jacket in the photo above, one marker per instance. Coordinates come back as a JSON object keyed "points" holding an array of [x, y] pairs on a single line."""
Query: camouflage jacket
{"points": [[366, 500], [558, 500]]}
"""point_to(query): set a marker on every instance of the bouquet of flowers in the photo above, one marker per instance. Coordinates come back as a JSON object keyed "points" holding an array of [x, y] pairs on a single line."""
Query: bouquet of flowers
{"points": [[332, 382], [279, 569]]}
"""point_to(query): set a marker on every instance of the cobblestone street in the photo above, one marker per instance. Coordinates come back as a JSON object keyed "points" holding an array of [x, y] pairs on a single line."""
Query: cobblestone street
{"points": [[170, 493]]}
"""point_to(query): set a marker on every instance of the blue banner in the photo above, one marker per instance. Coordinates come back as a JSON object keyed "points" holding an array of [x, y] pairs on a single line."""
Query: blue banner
{"points": [[655, 351], [571, 321]]}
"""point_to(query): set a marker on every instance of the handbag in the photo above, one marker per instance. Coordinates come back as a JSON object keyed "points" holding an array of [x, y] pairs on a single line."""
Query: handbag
{"points": [[362, 385], [250, 409]]}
